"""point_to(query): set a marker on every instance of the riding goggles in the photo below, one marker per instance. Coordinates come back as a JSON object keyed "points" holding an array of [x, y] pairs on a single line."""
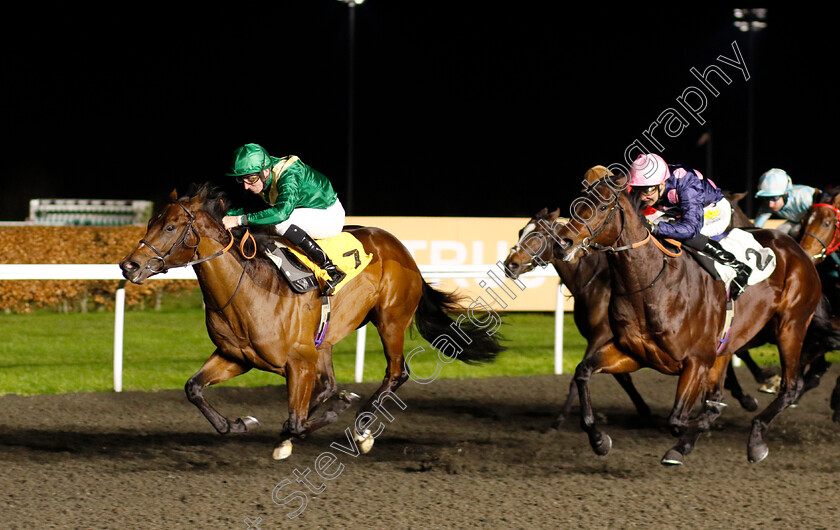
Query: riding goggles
{"points": [[646, 190], [250, 179]]}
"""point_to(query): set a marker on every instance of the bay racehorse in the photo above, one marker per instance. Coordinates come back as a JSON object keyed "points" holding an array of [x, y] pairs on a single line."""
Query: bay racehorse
{"points": [[667, 313], [820, 237], [588, 280], [255, 320]]}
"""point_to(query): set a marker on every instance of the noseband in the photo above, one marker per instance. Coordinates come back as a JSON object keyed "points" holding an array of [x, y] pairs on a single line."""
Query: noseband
{"points": [[835, 239]]}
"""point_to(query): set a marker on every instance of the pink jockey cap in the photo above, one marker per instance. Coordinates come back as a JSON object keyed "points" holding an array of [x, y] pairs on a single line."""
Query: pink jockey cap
{"points": [[648, 170]]}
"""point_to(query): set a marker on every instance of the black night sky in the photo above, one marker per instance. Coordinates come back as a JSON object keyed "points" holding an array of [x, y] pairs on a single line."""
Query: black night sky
{"points": [[484, 109]]}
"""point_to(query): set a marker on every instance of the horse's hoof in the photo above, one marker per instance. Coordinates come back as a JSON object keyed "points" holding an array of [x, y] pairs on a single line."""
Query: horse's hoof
{"points": [[365, 441], [250, 422], [757, 453], [672, 458], [749, 403], [282, 451], [244, 424], [349, 397], [561, 419], [771, 386], [602, 446]]}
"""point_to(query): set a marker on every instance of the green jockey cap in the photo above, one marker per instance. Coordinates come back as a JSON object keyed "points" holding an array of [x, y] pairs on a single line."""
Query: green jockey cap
{"points": [[249, 159]]}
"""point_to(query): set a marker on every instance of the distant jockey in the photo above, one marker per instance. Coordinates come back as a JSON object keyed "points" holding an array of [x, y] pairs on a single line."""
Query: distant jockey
{"points": [[784, 199]]}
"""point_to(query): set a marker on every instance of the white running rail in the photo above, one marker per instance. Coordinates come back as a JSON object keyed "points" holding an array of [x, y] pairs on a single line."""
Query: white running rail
{"points": [[113, 272]]}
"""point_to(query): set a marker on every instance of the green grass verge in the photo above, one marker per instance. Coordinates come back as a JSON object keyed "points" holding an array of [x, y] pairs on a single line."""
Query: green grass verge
{"points": [[47, 353]]}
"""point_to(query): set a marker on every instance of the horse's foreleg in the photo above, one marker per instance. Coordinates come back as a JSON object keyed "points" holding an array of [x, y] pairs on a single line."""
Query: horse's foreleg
{"points": [[300, 380], [712, 408], [623, 379], [817, 367], [325, 384], [566, 410], [747, 401], [835, 401], [326, 387], [691, 381], [215, 370], [607, 359], [790, 337], [627, 384]]}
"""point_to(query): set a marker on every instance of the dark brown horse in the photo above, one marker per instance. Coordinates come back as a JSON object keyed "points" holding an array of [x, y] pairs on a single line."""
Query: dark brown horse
{"points": [[255, 320], [588, 281], [668, 314], [820, 238]]}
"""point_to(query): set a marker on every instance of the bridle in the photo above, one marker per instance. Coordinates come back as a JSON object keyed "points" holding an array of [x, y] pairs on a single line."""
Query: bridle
{"points": [[588, 244], [835, 239], [161, 257]]}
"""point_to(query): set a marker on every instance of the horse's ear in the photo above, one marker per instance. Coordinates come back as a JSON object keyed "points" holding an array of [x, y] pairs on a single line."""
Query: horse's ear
{"points": [[174, 195], [542, 213]]}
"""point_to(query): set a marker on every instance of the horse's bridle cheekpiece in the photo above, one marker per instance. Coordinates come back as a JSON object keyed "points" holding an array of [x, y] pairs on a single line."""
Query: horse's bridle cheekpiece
{"points": [[828, 248], [160, 257]]}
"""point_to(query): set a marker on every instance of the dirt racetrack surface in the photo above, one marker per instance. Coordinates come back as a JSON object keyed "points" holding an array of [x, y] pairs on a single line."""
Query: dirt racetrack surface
{"points": [[463, 454]]}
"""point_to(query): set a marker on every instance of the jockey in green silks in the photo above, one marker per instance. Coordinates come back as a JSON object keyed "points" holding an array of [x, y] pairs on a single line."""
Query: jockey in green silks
{"points": [[302, 203]]}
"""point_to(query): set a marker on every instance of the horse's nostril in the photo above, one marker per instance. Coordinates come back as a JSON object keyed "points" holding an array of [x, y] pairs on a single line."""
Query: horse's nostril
{"points": [[129, 266], [565, 243]]}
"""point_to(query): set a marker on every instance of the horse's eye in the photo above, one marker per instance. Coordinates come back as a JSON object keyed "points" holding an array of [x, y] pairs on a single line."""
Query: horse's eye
{"points": [[603, 208], [827, 223], [170, 228]]}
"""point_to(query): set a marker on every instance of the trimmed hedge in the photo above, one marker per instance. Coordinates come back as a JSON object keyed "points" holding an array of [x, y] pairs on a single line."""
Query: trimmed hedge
{"points": [[74, 244]]}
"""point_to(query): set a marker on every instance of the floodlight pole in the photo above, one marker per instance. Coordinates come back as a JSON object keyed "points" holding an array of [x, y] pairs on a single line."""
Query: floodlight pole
{"points": [[351, 90], [750, 21]]}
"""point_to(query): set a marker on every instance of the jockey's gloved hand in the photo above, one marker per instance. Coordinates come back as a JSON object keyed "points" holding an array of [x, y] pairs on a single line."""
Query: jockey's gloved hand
{"points": [[650, 226]]}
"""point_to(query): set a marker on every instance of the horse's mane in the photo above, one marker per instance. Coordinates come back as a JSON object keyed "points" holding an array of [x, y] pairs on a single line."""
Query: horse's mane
{"points": [[827, 196], [214, 199], [216, 203]]}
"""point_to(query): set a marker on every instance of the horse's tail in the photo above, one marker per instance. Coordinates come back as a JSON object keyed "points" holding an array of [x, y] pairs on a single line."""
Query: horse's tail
{"points": [[823, 333], [476, 337]]}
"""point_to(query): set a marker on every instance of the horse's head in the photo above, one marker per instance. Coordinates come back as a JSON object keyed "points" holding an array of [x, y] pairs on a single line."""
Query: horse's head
{"points": [[172, 237], [593, 222], [821, 228], [534, 246]]}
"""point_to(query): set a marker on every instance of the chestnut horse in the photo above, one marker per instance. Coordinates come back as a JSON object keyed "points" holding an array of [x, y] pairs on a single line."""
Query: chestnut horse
{"points": [[255, 320], [588, 281], [667, 313]]}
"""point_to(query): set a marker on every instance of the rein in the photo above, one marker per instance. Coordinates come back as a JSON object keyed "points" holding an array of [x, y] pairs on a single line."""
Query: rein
{"points": [[588, 243], [835, 240], [182, 240]]}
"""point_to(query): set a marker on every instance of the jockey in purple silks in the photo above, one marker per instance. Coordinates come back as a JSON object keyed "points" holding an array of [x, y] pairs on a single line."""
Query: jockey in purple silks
{"points": [[700, 208]]}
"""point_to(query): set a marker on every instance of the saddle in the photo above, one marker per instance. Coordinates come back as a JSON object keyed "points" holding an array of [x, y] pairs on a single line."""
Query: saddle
{"points": [[745, 248], [303, 276]]}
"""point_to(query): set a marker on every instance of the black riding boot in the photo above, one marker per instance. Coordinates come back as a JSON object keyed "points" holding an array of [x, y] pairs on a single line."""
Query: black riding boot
{"points": [[742, 271], [305, 243]]}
